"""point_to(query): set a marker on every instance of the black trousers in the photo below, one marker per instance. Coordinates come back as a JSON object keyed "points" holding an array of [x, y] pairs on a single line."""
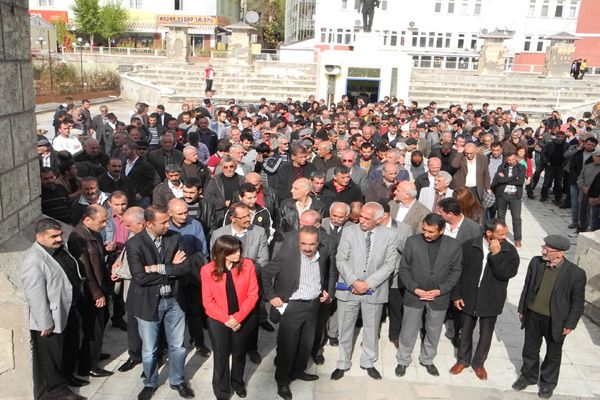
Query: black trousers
{"points": [[486, 332], [553, 174], [295, 338], [320, 329], [538, 327], [226, 342], [93, 323], [55, 356], [260, 309], [194, 313], [134, 341], [209, 83], [118, 304], [395, 310]]}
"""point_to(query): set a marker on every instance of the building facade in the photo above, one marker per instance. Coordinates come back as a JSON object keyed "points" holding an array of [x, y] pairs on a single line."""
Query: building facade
{"points": [[148, 19]]}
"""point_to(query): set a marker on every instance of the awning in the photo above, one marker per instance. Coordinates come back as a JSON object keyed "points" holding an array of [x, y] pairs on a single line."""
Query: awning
{"points": [[152, 27]]}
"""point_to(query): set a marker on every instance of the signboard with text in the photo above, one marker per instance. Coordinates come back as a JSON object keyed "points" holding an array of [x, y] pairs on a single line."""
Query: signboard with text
{"points": [[174, 19]]}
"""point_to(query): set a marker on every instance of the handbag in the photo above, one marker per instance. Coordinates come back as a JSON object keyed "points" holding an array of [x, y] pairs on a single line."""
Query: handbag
{"points": [[489, 199], [122, 270]]}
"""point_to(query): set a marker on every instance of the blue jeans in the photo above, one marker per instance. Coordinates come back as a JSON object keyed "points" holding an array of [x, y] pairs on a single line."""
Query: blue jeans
{"points": [[594, 218], [170, 314], [575, 204]]}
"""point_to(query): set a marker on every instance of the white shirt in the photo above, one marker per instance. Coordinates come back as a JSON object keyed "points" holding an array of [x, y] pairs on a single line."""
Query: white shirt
{"points": [[70, 144], [177, 191], [403, 210], [471, 178], [305, 208], [431, 180], [129, 165], [309, 287], [448, 231], [486, 250]]}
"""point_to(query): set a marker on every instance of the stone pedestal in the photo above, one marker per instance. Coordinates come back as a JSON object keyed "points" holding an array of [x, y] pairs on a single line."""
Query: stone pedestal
{"points": [[559, 55], [178, 44], [493, 53], [19, 195], [588, 258], [239, 50], [367, 42]]}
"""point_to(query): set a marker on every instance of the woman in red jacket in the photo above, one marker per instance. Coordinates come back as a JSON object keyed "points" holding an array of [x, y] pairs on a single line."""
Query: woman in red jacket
{"points": [[229, 294]]}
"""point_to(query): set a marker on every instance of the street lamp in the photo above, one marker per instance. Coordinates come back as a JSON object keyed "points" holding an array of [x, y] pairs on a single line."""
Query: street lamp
{"points": [[41, 41], [80, 45]]}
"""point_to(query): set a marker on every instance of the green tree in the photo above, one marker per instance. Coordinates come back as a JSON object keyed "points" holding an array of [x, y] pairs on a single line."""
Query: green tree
{"points": [[113, 21], [272, 20], [87, 17]]}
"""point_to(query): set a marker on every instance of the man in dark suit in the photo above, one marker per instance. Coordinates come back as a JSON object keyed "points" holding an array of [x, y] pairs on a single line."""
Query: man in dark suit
{"points": [[157, 263], [291, 208], [551, 304], [162, 115], [471, 171], [434, 166], [87, 246], [114, 179], [487, 266], [142, 175], [430, 267], [508, 182], [165, 154], [295, 283], [297, 167]]}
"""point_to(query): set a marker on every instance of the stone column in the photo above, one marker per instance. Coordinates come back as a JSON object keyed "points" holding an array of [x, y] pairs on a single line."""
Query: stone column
{"points": [[493, 53], [19, 195], [178, 44], [238, 49], [559, 55]]}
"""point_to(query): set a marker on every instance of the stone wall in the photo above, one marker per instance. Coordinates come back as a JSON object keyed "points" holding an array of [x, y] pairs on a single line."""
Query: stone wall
{"points": [[19, 194], [588, 258]]}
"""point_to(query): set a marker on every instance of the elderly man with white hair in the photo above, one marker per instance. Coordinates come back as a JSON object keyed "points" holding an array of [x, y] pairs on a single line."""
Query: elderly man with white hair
{"points": [[405, 208], [431, 196]]}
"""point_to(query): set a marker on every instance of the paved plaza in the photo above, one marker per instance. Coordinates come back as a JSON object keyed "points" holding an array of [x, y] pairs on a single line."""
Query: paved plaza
{"points": [[579, 377]]}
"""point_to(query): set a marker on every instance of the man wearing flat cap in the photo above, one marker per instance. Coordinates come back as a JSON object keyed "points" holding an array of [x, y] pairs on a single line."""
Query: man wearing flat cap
{"points": [[550, 307]]}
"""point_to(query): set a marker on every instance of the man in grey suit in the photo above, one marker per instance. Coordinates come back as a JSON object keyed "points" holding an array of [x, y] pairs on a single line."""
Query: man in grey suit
{"points": [[255, 247], [366, 258], [51, 280], [430, 267], [404, 207]]}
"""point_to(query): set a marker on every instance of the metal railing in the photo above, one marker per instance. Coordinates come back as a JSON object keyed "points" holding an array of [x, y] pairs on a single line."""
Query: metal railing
{"points": [[129, 51]]}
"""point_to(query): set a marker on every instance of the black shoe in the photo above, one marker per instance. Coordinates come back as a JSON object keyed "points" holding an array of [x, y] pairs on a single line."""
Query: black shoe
{"points": [[520, 384], [241, 392], [254, 357], [543, 199], [267, 326], [128, 365], [545, 393], [303, 376], [202, 350], [531, 196], [76, 382], [564, 205], [372, 372], [334, 342], [284, 391], [104, 356], [146, 393], [400, 370], [337, 374], [184, 390], [431, 369], [573, 225], [319, 359], [120, 324], [100, 372]]}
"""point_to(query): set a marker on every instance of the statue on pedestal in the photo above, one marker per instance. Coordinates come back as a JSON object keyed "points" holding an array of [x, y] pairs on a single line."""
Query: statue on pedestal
{"points": [[367, 8]]}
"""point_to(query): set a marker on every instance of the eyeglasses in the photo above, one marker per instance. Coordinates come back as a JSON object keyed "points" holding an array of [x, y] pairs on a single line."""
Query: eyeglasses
{"points": [[347, 160], [228, 167]]}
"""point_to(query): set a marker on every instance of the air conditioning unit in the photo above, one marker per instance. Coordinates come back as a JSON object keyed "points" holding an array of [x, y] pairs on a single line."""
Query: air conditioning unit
{"points": [[332, 69]]}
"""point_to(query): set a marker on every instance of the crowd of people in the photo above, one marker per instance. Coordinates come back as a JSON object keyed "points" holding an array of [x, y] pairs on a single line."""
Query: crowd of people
{"points": [[318, 219]]}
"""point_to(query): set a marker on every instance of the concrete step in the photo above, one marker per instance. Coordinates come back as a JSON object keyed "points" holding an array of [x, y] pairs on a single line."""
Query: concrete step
{"points": [[516, 85], [532, 97], [507, 92]]}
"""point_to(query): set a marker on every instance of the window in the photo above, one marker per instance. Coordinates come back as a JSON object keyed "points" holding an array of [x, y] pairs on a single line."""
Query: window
{"points": [[178, 4], [545, 8], [439, 43], [464, 7], [383, 5], [473, 43], [531, 11], [527, 45], [450, 6], [339, 36], [323, 35], [45, 3], [448, 38], [438, 7], [431, 39], [423, 41], [461, 40], [344, 4], [558, 12], [540, 46], [135, 3], [573, 9], [477, 10], [415, 39], [347, 36]]}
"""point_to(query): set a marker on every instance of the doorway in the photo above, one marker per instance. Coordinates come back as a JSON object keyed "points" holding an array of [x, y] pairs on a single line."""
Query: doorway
{"points": [[367, 89]]}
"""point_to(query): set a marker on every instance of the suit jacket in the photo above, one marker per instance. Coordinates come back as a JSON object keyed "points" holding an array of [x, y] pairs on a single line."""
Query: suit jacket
{"points": [[88, 248], [286, 175], [162, 193], [162, 119], [281, 276], [468, 230], [482, 175], [143, 177], [485, 298], [567, 299], [383, 260], [47, 288], [214, 293], [350, 194], [157, 160], [427, 197], [215, 194], [415, 215], [124, 184], [255, 243], [144, 292], [404, 232], [288, 218], [421, 182], [418, 272]]}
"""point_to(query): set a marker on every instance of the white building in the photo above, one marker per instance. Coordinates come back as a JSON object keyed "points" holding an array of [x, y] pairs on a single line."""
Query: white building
{"points": [[425, 34]]}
